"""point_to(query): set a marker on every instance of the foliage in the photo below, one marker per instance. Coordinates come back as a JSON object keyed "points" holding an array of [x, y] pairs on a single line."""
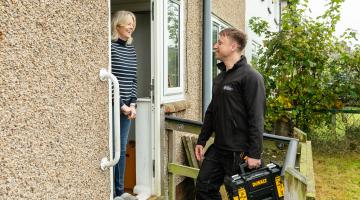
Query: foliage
{"points": [[343, 135], [305, 66]]}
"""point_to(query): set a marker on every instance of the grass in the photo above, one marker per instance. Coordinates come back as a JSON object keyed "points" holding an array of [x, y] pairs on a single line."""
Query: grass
{"points": [[337, 176], [337, 159]]}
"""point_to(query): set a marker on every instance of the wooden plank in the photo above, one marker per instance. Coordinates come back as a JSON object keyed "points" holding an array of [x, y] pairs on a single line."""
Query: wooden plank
{"points": [[310, 194], [300, 135], [172, 186], [171, 150], [182, 170], [295, 185], [307, 169], [192, 152], [208, 143], [187, 151], [194, 141], [303, 157]]}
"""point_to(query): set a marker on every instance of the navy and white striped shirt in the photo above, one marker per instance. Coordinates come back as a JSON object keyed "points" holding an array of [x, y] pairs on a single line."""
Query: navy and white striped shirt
{"points": [[123, 66]]}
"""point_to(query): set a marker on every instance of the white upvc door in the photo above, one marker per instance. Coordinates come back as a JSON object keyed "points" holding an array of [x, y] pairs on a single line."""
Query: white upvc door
{"points": [[157, 58], [148, 141]]}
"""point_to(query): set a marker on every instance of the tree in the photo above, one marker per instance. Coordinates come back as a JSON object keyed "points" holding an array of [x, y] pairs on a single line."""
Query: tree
{"points": [[305, 66]]}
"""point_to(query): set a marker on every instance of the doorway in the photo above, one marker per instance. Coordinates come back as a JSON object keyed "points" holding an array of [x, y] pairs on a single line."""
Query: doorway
{"points": [[139, 156]]}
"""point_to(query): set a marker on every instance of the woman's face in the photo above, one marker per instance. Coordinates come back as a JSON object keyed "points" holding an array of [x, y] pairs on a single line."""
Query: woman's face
{"points": [[126, 30]]}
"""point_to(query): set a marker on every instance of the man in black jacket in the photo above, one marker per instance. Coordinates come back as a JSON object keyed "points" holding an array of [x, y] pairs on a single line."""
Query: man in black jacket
{"points": [[235, 114]]}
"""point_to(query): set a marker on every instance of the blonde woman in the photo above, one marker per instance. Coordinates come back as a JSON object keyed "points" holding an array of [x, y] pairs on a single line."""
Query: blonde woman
{"points": [[124, 67]]}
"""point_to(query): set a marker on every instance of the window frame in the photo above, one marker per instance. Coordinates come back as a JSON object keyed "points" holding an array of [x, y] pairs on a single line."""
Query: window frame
{"points": [[176, 93], [222, 24], [254, 49]]}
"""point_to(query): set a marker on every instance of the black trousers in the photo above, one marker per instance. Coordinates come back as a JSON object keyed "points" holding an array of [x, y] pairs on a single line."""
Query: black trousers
{"points": [[216, 165]]}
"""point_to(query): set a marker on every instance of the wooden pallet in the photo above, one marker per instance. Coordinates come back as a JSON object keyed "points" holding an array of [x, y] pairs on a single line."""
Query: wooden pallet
{"points": [[189, 144]]}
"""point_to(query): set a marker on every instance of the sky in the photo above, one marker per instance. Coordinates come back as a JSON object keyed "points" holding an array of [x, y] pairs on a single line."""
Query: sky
{"points": [[350, 15]]}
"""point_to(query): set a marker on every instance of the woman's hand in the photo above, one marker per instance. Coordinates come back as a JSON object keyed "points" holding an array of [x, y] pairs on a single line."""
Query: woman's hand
{"points": [[132, 114], [126, 110]]}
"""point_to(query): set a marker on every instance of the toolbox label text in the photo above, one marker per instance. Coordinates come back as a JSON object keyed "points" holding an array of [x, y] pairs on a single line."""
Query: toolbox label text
{"points": [[259, 182]]}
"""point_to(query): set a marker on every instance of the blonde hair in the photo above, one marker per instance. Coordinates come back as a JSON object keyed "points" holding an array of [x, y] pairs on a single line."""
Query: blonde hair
{"points": [[121, 18]]}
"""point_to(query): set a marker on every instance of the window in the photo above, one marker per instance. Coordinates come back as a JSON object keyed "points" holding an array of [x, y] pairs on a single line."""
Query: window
{"points": [[173, 51], [255, 46], [217, 26]]}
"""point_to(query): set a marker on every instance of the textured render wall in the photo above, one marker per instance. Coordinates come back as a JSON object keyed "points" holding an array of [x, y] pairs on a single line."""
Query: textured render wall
{"points": [[53, 108], [232, 12], [193, 73]]}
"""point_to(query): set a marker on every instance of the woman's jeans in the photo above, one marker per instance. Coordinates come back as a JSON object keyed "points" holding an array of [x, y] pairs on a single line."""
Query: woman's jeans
{"points": [[119, 168]]}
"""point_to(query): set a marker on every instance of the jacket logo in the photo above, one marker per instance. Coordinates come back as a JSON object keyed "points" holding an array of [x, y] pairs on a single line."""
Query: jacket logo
{"points": [[228, 88]]}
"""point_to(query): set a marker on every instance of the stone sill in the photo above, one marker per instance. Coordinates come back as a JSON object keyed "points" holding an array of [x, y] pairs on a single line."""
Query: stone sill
{"points": [[175, 107]]}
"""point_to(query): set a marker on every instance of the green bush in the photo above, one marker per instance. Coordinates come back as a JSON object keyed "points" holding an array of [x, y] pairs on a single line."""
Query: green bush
{"points": [[306, 68], [341, 136]]}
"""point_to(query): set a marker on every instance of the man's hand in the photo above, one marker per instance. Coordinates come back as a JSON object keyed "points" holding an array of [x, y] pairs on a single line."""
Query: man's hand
{"points": [[199, 154], [253, 163], [132, 114], [125, 109]]}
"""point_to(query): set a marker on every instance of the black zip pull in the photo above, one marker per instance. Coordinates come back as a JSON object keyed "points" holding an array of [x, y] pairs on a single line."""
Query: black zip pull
{"points": [[234, 123]]}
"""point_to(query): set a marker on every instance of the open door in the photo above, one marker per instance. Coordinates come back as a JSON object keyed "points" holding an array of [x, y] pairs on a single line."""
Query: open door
{"points": [[140, 164]]}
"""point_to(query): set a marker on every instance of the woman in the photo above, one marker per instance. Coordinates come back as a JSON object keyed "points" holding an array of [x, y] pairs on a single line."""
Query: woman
{"points": [[123, 64]]}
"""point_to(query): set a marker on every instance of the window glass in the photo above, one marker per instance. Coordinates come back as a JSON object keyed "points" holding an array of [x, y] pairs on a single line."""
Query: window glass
{"points": [[173, 45], [215, 35], [217, 26]]}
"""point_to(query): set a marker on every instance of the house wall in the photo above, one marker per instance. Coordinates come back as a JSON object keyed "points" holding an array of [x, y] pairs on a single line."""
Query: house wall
{"points": [[267, 10], [232, 12], [53, 108], [193, 71]]}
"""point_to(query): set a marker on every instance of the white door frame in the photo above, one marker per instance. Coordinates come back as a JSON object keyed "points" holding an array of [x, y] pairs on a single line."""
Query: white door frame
{"points": [[157, 58], [156, 48]]}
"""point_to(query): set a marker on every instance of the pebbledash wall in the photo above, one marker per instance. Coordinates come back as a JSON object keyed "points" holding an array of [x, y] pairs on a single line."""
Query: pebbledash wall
{"points": [[53, 107], [232, 12]]}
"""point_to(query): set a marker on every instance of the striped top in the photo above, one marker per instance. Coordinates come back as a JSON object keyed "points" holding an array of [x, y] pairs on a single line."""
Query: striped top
{"points": [[123, 66]]}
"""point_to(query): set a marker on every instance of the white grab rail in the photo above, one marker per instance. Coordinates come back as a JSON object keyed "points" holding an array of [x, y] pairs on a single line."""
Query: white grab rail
{"points": [[105, 75]]}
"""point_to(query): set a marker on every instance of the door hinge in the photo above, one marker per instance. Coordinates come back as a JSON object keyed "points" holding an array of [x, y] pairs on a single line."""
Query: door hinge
{"points": [[152, 90], [153, 168], [152, 10]]}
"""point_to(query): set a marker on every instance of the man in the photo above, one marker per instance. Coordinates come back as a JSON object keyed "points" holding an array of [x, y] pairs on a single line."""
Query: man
{"points": [[235, 114]]}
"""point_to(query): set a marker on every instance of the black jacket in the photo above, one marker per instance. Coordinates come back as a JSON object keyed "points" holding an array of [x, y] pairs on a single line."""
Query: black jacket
{"points": [[236, 111]]}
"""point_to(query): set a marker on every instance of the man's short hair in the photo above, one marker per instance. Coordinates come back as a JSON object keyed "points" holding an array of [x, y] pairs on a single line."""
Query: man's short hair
{"points": [[236, 35]]}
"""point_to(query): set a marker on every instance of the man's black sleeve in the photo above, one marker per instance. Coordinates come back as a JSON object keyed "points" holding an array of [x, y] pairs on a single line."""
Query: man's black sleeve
{"points": [[207, 128], [255, 103]]}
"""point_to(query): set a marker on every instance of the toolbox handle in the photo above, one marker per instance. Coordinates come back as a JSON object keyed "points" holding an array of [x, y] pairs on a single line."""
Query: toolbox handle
{"points": [[242, 167], [244, 164]]}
